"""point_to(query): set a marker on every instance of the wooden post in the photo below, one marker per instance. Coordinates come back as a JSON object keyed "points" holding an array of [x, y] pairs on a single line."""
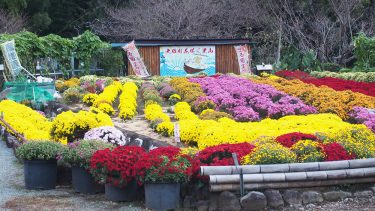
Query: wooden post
{"points": [[235, 160], [23, 139]]}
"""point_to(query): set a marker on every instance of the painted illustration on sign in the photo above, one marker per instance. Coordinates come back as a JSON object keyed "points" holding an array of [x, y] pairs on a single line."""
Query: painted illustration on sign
{"points": [[187, 60]]}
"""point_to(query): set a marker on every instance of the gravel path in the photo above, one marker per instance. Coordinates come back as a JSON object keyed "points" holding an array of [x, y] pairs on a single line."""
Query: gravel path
{"points": [[13, 195]]}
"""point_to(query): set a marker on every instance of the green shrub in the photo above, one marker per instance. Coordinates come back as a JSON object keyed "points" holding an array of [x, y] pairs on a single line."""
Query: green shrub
{"points": [[72, 95], [79, 153], [39, 150]]}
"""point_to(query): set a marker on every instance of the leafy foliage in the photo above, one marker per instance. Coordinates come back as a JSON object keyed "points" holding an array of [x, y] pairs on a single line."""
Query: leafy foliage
{"points": [[39, 150], [79, 153], [365, 52]]}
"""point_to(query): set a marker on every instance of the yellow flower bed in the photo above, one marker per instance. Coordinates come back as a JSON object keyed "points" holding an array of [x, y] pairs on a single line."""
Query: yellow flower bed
{"points": [[106, 108], [359, 142], [89, 99], [210, 133], [325, 99], [31, 124], [183, 111], [128, 101], [109, 94], [269, 153], [155, 111], [69, 126]]}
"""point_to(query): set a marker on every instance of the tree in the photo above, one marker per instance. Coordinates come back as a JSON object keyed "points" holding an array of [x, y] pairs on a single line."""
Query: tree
{"points": [[176, 19], [10, 23]]}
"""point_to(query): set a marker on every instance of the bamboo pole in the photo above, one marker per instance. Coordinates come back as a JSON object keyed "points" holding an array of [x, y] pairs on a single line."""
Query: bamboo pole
{"points": [[293, 176], [278, 185], [23, 139], [292, 167]]}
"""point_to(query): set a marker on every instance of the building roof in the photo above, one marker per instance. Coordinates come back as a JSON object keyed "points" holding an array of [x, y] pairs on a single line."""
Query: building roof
{"points": [[192, 42]]}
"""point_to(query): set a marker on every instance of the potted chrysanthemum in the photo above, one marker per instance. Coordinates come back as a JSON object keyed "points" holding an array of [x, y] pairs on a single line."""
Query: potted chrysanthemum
{"points": [[40, 163], [162, 170], [78, 154], [116, 169]]}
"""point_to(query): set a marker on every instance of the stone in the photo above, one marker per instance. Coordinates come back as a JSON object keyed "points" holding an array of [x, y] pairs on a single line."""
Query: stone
{"points": [[202, 205], [292, 197], [254, 201], [274, 198], [310, 206], [373, 189], [310, 197], [336, 195], [228, 202], [363, 194]]}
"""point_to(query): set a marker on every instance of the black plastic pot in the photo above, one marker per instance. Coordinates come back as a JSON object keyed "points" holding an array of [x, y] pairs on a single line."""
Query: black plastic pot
{"points": [[127, 193], [40, 174], [162, 196], [83, 182]]}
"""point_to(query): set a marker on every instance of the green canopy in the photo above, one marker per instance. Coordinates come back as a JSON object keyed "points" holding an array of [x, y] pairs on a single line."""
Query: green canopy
{"points": [[37, 92]]}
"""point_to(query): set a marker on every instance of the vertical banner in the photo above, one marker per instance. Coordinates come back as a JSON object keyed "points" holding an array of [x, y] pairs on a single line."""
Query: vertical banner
{"points": [[243, 58], [135, 59], [187, 60]]}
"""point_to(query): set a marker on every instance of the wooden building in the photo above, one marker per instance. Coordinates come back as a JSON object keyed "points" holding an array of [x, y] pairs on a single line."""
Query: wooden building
{"points": [[220, 54]]}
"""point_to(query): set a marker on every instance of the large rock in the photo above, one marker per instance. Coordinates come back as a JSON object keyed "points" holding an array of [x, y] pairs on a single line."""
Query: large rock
{"points": [[292, 197], [254, 201], [274, 198], [309, 197], [363, 194], [336, 195], [228, 202]]}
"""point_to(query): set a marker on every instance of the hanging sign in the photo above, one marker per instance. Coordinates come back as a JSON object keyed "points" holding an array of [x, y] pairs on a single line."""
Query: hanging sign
{"points": [[135, 59], [243, 58]]}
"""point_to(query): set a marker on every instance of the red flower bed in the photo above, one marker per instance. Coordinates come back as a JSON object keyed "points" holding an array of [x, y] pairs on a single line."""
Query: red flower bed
{"points": [[220, 155], [164, 164], [334, 151], [289, 139], [335, 83], [297, 74], [116, 166]]}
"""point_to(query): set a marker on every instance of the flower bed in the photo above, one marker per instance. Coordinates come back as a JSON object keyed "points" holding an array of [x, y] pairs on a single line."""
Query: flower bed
{"points": [[188, 91], [31, 124], [364, 116], [325, 99], [128, 101], [335, 83], [105, 99], [355, 76], [248, 101], [69, 126]]}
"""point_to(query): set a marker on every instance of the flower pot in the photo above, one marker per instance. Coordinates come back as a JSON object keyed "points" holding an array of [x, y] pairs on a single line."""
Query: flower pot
{"points": [[83, 182], [162, 196], [40, 174], [127, 193]]}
